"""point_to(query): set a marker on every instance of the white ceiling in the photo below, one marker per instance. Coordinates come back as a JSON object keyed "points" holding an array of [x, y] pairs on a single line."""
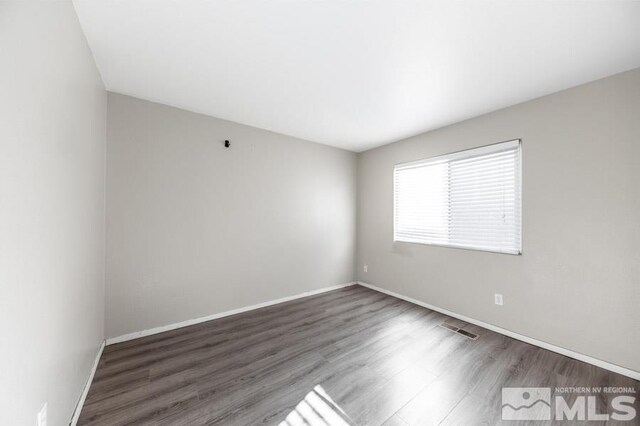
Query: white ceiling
{"points": [[355, 74]]}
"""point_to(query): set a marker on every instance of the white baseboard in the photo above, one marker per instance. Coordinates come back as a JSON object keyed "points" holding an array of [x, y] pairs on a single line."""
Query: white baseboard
{"points": [[85, 391], [156, 330], [563, 351]]}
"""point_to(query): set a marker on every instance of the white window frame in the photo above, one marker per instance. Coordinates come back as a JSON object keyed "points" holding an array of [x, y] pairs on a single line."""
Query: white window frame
{"points": [[468, 153]]}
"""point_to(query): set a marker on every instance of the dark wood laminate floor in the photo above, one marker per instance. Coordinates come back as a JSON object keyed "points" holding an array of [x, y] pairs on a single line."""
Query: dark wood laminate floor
{"points": [[348, 357]]}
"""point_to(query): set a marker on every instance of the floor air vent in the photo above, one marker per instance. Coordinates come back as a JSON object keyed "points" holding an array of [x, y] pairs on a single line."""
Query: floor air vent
{"points": [[468, 334], [465, 333], [450, 327]]}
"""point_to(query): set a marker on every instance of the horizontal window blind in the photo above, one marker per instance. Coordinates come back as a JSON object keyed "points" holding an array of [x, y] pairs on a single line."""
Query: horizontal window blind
{"points": [[468, 199]]}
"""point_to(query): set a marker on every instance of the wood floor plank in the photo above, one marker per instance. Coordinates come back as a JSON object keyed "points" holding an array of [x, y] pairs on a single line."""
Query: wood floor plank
{"points": [[395, 420], [353, 356]]}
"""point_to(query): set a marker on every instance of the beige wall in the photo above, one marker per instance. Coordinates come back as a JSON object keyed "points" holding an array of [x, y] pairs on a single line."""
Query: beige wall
{"points": [[195, 229], [577, 284], [52, 155]]}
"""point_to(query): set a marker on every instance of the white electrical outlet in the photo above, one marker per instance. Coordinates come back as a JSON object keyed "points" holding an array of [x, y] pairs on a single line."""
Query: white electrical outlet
{"points": [[498, 299], [42, 416], [366, 268]]}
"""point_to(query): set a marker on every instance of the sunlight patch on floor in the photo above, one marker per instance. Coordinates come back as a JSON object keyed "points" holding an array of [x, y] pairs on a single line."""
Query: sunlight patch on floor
{"points": [[317, 409]]}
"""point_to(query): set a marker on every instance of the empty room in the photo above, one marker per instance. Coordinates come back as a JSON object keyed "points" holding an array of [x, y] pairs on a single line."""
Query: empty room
{"points": [[319, 212]]}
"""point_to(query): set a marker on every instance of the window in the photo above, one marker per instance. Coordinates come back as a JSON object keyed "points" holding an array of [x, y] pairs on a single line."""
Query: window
{"points": [[468, 199]]}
